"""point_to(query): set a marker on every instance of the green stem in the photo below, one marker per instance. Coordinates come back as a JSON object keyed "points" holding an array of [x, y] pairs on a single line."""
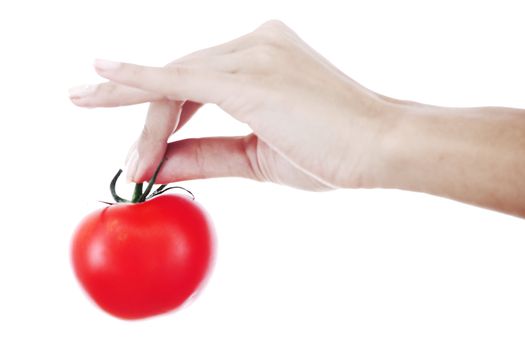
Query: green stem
{"points": [[157, 192], [154, 193], [151, 182], [137, 193], [116, 197]]}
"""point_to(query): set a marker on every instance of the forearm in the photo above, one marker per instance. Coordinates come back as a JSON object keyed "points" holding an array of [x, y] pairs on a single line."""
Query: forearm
{"points": [[473, 155]]}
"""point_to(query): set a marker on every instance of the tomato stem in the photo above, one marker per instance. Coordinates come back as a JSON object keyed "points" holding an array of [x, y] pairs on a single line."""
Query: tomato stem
{"points": [[162, 189], [112, 185], [137, 193], [151, 182]]}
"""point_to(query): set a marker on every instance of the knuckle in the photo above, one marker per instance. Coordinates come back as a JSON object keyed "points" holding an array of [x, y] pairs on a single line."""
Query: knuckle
{"points": [[146, 133], [104, 90], [270, 32], [253, 158], [134, 71], [263, 55], [177, 70], [106, 94], [273, 25], [152, 135]]}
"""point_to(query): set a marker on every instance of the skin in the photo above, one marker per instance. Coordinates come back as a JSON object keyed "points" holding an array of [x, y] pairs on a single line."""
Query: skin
{"points": [[314, 128]]}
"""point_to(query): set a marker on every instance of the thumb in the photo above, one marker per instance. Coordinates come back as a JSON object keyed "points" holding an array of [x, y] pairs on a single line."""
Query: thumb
{"points": [[209, 157], [242, 156]]}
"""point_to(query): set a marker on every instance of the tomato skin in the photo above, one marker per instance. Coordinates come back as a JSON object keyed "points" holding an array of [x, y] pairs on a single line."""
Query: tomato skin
{"points": [[144, 259]]}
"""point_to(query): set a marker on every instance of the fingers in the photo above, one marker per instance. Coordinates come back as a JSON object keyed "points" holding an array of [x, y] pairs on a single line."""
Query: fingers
{"points": [[110, 94], [177, 82], [202, 76], [161, 121], [231, 157], [113, 94], [205, 158]]}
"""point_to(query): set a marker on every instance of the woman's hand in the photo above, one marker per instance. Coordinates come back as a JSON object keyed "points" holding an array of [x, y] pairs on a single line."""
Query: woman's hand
{"points": [[313, 127]]}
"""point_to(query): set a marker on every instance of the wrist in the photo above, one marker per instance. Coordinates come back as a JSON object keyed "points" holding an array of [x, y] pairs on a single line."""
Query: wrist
{"points": [[427, 148], [386, 154], [403, 136]]}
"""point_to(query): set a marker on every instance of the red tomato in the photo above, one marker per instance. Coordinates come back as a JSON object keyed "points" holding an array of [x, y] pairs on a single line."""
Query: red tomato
{"points": [[143, 259]]}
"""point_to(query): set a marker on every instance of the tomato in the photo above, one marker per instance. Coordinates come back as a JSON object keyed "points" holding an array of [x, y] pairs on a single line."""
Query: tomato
{"points": [[137, 260]]}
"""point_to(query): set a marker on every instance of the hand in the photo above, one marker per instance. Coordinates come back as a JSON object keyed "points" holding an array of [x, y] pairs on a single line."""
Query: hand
{"points": [[313, 127]]}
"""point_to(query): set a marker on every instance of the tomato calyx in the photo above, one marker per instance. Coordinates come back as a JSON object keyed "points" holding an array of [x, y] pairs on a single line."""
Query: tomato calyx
{"points": [[139, 195]]}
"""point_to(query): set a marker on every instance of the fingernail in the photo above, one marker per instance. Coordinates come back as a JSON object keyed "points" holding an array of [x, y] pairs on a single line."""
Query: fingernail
{"points": [[81, 91], [106, 65], [131, 167]]}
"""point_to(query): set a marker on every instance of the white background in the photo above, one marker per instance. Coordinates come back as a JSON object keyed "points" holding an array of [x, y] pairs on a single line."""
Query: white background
{"points": [[360, 269]]}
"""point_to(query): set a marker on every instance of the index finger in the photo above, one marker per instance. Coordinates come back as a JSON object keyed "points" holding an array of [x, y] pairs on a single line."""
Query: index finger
{"points": [[110, 94], [177, 82]]}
